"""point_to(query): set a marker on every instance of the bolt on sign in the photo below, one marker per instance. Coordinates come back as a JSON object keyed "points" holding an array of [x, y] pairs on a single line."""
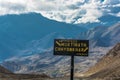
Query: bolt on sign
{"points": [[71, 47]]}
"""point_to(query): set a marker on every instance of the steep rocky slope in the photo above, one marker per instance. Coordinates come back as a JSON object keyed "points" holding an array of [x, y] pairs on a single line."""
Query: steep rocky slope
{"points": [[108, 67], [8, 75], [3, 70]]}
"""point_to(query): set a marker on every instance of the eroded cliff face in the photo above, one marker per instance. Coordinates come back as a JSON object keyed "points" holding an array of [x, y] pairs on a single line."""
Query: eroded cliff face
{"points": [[108, 67]]}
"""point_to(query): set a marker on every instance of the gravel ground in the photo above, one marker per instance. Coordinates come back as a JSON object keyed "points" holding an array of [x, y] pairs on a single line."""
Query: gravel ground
{"points": [[42, 79]]}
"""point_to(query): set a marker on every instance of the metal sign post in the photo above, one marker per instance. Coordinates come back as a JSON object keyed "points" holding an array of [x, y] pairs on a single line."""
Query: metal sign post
{"points": [[72, 67]]}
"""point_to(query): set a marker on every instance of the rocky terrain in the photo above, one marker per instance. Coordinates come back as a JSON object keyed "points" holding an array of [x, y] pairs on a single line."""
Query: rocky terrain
{"points": [[3, 70], [8, 75], [101, 40], [108, 68]]}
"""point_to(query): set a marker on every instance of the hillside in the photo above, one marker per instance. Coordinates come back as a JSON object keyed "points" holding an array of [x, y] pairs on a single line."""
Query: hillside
{"points": [[104, 36], [3, 70], [8, 75], [108, 68], [101, 41], [18, 32]]}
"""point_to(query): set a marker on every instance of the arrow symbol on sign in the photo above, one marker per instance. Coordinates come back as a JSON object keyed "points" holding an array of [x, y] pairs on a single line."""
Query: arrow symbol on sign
{"points": [[85, 49]]}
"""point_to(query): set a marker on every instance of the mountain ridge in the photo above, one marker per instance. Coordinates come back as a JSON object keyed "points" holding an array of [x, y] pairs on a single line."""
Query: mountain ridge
{"points": [[58, 64], [16, 31]]}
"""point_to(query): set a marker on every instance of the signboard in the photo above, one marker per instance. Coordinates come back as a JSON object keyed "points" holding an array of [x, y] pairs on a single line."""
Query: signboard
{"points": [[71, 47]]}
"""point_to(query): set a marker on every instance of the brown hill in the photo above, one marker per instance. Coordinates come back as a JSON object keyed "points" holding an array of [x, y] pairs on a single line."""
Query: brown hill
{"points": [[108, 68], [8, 75], [4, 70]]}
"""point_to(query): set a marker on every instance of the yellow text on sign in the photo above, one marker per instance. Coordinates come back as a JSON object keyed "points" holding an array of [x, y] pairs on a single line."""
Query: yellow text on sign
{"points": [[71, 44], [71, 49]]}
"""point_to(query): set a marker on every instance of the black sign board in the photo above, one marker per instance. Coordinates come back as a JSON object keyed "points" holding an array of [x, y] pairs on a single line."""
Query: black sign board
{"points": [[71, 47]]}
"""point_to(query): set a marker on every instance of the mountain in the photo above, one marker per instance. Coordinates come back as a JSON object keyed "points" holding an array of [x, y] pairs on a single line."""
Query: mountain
{"points": [[55, 65], [18, 31], [108, 67], [47, 63], [104, 36], [60, 65], [29, 44]]}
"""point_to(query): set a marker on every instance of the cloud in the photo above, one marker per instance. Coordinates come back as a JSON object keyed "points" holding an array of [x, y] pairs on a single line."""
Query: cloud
{"points": [[115, 14], [91, 15], [69, 11]]}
